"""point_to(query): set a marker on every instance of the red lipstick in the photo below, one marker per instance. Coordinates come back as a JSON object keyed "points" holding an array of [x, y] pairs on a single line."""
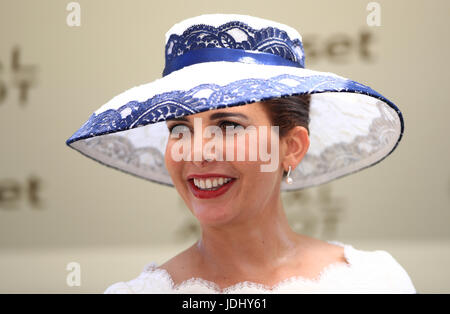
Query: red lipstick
{"points": [[207, 175], [204, 194]]}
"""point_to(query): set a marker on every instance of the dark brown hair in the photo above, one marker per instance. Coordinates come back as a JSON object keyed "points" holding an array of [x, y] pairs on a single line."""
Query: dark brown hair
{"points": [[288, 112]]}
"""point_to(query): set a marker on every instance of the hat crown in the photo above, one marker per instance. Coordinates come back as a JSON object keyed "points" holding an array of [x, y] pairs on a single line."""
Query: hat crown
{"points": [[234, 31]]}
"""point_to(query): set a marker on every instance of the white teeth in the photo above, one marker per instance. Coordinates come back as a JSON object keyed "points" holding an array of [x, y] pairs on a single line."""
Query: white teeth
{"points": [[211, 183]]}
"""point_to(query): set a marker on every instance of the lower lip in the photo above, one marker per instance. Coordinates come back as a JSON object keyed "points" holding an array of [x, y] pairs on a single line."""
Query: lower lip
{"points": [[210, 194]]}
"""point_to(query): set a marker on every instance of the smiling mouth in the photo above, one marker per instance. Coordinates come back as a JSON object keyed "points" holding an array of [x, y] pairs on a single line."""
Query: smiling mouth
{"points": [[210, 188], [211, 184]]}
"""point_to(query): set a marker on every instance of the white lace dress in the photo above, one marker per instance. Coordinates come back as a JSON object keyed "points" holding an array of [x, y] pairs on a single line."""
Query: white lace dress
{"points": [[364, 272]]}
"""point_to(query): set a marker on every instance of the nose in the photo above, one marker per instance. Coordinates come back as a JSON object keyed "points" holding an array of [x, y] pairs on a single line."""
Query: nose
{"points": [[199, 155]]}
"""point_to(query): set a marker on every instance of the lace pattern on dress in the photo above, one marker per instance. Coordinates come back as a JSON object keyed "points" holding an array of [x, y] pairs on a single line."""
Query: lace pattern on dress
{"points": [[196, 281]]}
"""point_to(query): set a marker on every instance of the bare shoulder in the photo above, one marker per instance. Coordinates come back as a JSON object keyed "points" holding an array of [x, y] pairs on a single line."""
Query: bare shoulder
{"points": [[181, 266], [322, 252]]}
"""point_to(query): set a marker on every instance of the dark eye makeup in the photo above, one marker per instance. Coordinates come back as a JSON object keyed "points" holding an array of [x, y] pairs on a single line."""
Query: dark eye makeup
{"points": [[220, 123]]}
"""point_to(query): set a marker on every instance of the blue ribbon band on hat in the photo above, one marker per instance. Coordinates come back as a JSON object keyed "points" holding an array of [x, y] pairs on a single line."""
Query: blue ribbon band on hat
{"points": [[226, 54]]}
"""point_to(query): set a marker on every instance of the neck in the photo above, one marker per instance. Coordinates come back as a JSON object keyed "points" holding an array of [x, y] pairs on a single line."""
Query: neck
{"points": [[252, 245]]}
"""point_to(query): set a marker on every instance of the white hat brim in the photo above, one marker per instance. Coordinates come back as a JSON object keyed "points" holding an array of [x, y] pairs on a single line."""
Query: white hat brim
{"points": [[352, 126]]}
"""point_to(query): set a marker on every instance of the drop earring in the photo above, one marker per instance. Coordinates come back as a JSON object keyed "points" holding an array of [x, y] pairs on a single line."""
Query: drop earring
{"points": [[289, 180]]}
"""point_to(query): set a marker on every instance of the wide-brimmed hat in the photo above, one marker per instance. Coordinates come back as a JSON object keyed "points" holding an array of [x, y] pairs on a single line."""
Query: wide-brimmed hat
{"points": [[215, 61]]}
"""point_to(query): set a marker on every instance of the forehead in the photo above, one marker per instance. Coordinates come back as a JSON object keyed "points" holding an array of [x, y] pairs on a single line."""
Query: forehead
{"points": [[243, 112]]}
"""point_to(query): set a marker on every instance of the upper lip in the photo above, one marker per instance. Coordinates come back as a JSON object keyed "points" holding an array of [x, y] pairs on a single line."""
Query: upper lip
{"points": [[207, 175]]}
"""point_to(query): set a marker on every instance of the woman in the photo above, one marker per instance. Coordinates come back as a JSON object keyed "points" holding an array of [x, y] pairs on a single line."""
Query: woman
{"points": [[236, 83]]}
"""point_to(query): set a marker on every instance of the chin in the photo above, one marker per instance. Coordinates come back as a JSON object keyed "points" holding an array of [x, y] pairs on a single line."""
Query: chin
{"points": [[212, 215]]}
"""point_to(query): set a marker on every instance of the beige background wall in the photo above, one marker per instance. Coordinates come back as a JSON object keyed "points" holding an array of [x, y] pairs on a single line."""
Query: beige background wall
{"points": [[57, 206]]}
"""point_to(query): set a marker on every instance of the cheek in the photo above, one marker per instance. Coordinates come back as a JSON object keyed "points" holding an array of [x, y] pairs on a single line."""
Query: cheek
{"points": [[264, 145], [261, 179], [172, 166], [167, 158], [269, 147], [252, 170]]}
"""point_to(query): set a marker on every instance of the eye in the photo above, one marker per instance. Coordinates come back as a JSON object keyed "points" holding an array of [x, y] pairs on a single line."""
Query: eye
{"points": [[224, 123], [181, 128]]}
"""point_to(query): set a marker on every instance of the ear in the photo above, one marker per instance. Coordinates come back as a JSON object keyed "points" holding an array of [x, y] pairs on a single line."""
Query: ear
{"points": [[296, 146]]}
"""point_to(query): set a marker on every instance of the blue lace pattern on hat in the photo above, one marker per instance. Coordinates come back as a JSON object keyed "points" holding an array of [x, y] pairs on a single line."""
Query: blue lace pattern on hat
{"points": [[179, 103], [270, 40], [233, 42], [233, 35]]}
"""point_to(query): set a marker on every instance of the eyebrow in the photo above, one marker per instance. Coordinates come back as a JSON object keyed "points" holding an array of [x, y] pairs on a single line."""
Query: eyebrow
{"points": [[216, 116], [219, 115]]}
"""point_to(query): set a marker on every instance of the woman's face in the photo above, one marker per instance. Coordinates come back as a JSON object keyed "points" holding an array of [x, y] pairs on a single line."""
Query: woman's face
{"points": [[249, 189]]}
